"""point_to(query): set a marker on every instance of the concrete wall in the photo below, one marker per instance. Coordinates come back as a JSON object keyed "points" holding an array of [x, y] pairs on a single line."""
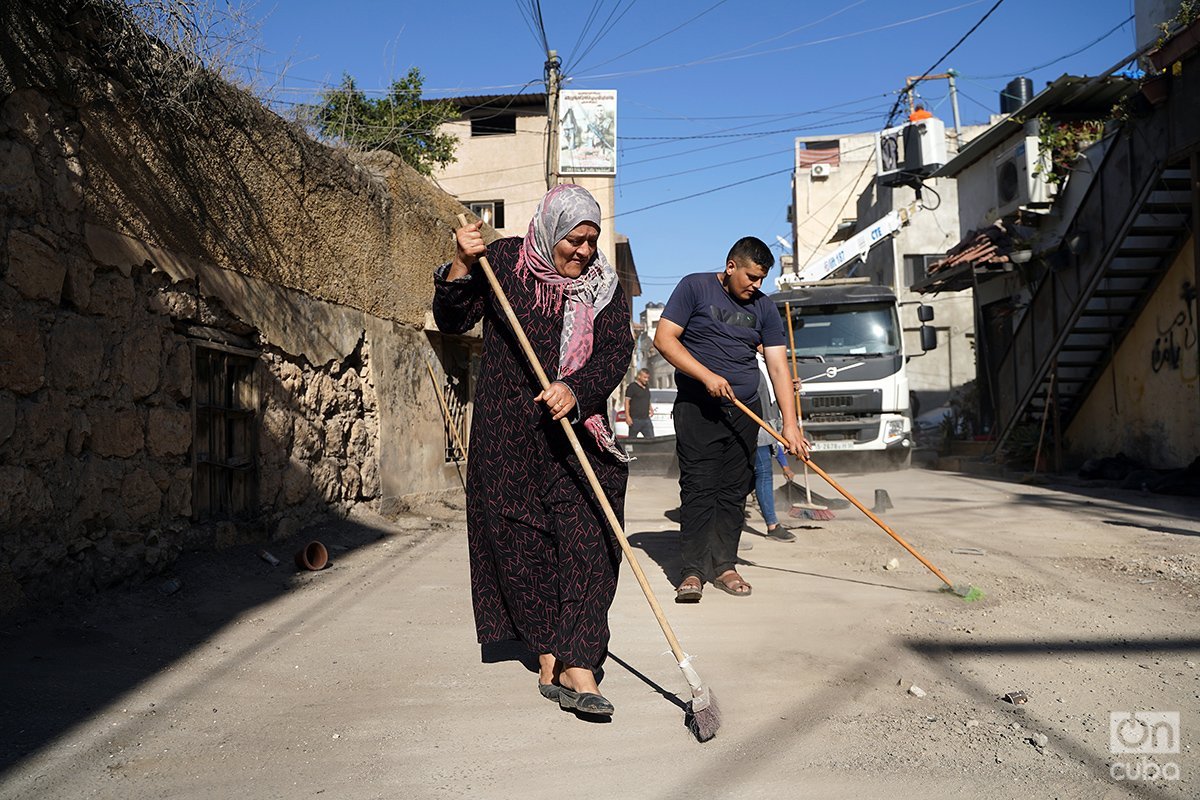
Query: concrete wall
{"points": [[137, 225], [1148, 14], [819, 204], [1147, 402]]}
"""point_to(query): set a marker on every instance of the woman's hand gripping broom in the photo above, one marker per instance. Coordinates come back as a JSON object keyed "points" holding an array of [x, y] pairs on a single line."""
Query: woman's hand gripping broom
{"points": [[703, 715]]}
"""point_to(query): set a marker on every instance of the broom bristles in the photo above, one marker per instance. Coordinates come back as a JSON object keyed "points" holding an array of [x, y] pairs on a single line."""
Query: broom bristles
{"points": [[968, 593], [703, 716], [812, 513]]}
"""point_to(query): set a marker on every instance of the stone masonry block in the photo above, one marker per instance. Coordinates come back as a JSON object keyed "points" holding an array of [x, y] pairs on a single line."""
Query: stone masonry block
{"points": [[117, 432], [19, 189], [22, 356], [76, 353], [34, 268], [168, 432]]}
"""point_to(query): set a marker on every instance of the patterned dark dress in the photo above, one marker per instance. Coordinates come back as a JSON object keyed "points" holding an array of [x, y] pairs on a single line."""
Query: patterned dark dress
{"points": [[543, 560]]}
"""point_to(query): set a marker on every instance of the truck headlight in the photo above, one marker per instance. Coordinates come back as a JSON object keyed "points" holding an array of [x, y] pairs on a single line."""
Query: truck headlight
{"points": [[893, 430]]}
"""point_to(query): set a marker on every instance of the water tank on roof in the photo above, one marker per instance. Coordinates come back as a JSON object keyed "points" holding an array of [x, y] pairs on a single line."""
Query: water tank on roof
{"points": [[1017, 93]]}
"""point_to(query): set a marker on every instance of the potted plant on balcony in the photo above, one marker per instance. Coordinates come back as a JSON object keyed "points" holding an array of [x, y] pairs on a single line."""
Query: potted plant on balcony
{"points": [[1180, 35]]}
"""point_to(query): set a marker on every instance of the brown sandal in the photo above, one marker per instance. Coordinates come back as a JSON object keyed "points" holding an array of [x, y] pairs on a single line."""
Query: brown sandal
{"points": [[733, 584], [690, 590]]}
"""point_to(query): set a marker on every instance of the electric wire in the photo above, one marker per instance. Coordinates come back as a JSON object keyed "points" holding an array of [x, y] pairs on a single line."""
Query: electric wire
{"points": [[1063, 57], [936, 64], [699, 194], [526, 15], [725, 57], [852, 191], [608, 25], [726, 143], [666, 139], [935, 193], [835, 118], [587, 26], [787, 33], [660, 36]]}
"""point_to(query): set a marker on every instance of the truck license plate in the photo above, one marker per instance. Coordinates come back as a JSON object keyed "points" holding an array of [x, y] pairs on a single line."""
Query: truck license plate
{"points": [[819, 445]]}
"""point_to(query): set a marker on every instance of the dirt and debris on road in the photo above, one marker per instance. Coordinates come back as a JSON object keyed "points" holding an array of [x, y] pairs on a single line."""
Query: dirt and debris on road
{"points": [[837, 677]]}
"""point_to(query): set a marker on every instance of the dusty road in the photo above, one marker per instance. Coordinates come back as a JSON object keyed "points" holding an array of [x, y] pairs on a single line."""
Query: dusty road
{"points": [[364, 681]]}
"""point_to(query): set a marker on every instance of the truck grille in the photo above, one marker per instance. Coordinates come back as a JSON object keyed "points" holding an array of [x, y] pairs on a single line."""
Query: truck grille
{"points": [[827, 417], [832, 401]]}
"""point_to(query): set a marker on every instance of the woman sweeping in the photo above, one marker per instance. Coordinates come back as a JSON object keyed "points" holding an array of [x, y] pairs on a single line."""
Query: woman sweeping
{"points": [[543, 561]]}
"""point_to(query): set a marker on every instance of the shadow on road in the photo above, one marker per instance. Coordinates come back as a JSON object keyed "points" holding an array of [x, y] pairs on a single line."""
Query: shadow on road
{"points": [[61, 666], [831, 577], [942, 655]]}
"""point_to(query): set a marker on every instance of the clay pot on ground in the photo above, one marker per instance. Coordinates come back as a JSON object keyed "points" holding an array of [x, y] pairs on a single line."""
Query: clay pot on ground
{"points": [[312, 557]]}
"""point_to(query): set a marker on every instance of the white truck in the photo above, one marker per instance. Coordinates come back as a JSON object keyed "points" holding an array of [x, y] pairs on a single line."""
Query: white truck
{"points": [[851, 360]]}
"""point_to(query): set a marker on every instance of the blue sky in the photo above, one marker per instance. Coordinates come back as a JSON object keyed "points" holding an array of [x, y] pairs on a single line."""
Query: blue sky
{"points": [[750, 76]]}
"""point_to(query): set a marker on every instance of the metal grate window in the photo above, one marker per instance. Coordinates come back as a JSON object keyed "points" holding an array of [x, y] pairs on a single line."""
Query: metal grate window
{"points": [[225, 425]]}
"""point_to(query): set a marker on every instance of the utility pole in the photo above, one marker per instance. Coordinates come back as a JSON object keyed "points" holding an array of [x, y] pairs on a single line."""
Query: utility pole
{"points": [[950, 76], [552, 84]]}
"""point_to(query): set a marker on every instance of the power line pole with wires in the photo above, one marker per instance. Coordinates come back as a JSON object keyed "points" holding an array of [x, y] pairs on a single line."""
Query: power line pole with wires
{"points": [[552, 86]]}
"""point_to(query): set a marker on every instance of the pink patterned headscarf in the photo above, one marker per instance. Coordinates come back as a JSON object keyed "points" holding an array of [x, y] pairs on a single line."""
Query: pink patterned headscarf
{"points": [[560, 211]]}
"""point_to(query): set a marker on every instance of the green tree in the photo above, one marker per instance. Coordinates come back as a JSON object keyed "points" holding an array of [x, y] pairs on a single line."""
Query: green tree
{"points": [[399, 122]]}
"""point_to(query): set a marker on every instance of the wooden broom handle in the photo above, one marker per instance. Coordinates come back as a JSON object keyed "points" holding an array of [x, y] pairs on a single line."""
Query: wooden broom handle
{"points": [[846, 495], [601, 497], [787, 307]]}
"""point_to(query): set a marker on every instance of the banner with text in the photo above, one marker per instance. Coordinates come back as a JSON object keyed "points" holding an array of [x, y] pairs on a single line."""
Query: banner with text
{"points": [[587, 132]]}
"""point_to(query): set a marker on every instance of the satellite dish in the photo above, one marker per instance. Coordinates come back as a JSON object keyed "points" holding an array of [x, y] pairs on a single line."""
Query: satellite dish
{"points": [[783, 242]]}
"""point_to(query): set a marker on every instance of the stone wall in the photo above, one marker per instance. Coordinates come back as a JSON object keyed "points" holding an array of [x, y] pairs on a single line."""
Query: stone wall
{"points": [[132, 234]]}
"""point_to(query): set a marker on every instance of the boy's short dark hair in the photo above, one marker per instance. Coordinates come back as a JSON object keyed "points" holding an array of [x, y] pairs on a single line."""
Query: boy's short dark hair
{"points": [[751, 248]]}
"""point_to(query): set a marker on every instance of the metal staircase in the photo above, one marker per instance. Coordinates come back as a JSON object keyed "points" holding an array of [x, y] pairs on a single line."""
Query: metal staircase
{"points": [[1130, 226]]}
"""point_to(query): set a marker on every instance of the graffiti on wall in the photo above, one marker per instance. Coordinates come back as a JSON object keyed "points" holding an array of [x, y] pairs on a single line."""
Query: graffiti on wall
{"points": [[1175, 348]]}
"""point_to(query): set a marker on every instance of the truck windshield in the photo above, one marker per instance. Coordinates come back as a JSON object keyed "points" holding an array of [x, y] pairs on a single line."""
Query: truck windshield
{"points": [[863, 329]]}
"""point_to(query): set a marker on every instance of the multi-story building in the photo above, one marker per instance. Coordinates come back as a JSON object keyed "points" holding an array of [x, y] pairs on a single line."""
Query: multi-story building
{"points": [[836, 195]]}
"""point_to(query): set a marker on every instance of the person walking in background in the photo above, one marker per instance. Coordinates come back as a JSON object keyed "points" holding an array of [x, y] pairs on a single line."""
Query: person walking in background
{"points": [[709, 331], [764, 473], [637, 406], [543, 560]]}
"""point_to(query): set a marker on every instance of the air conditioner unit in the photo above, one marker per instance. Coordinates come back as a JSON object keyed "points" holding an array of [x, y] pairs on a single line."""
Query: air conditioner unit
{"points": [[819, 170], [1021, 178], [910, 152], [925, 146]]}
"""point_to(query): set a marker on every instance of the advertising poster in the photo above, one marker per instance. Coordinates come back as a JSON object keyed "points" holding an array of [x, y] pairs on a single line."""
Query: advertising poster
{"points": [[587, 132]]}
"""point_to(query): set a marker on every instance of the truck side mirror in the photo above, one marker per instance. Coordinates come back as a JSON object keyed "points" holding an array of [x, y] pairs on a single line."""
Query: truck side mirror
{"points": [[925, 314], [928, 336]]}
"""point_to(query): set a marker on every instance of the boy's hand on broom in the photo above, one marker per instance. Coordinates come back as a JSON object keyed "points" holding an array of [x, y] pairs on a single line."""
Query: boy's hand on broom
{"points": [[797, 444]]}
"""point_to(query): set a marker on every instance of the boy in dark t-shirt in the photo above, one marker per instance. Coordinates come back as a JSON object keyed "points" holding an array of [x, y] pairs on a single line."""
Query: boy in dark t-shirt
{"points": [[709, 331]]}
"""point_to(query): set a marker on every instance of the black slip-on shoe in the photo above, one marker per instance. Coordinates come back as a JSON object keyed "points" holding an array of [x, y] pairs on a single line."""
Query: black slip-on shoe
{"points": [[584, 702], [550, 691]]}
